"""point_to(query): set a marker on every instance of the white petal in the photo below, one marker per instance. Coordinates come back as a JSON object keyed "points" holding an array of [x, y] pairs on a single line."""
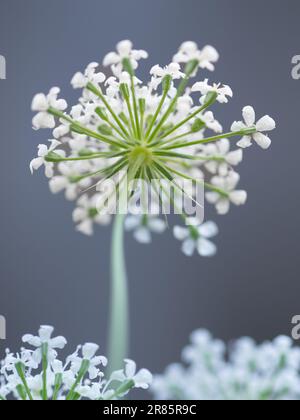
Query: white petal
{"points": [[206, 248], [238, 197], [39, 103], [157, 225], [142, 235], [33, 341], [245, 142], [235, 157], [188, 247], [45, 332], [249, 115], [143, 379], [263, 141], [111, 58], [223, 206], [79, 81], [209, 229], [130, 368], [58, 342], [266, 124], [132, 222], [89, 350], [180, 233], [58, 184], [212, 197], [86, 227], [36, 163], [124, 48], [237, 126], [43, 120]]}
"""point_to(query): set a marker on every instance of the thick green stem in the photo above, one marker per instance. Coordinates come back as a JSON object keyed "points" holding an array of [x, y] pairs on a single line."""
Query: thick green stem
{"points": [[119, 315]]}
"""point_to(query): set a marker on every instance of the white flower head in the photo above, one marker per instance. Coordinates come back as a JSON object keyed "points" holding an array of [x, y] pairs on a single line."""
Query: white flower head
{"points": [[265, 124], [221, 90], [124, 50], [197, 238]]}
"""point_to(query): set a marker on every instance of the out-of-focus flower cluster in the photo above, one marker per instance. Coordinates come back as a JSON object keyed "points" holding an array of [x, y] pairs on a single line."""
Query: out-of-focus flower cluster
{"points": [[38, 374], [243, 371], [152, 131]]}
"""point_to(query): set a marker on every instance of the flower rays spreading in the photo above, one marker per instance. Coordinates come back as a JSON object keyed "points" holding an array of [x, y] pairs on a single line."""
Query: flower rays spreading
{"points": [[124, 131]]}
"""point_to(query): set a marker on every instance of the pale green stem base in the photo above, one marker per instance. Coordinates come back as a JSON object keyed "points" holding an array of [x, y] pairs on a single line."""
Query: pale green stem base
{"points": [[119, 307]]}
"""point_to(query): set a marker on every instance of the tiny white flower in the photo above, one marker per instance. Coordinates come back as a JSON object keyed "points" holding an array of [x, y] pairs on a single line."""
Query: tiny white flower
{"points": [[265, 124], [224, 158], [197, 238], [142, 378], [228, 185], [89, 351], [80, 80], [124, 50], [143, 226], [43, 152], [189, 51], [44, 337], [222, 91], [86, 214], [160, 73], [41, 103]]}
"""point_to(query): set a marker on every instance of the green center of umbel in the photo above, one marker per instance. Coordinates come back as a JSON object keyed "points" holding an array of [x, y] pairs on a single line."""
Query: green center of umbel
{"points": [[141, 155]]}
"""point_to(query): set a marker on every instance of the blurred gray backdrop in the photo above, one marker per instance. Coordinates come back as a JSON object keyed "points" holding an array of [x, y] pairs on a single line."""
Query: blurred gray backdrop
{"points": [[51, 274]]}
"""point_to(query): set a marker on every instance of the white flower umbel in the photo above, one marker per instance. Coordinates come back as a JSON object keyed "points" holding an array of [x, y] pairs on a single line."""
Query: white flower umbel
{"points": [[124, 130], [197, 238], [40, 375], [265, 124], [149, 131], [243, 371]]}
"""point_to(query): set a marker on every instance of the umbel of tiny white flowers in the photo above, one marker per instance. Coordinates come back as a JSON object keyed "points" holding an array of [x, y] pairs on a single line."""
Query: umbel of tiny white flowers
{"points": [[39, 374], [241, 371], [152, 131]]}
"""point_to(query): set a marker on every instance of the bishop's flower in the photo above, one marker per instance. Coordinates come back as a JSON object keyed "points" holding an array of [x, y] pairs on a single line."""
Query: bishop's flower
{"points": [[123, 130]]}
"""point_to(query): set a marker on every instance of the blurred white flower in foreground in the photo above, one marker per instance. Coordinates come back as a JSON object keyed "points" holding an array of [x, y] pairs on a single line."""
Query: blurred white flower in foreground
{"points": [[243, 371]]}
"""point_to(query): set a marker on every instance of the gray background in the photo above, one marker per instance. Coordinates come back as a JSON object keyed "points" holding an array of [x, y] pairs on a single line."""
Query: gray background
{"points": [[50, 274]]}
